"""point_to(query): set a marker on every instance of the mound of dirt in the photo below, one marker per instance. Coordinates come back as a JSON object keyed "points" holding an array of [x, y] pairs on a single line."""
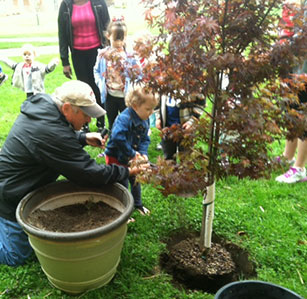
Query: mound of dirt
{"points": [[74, 218], [192, 268]]}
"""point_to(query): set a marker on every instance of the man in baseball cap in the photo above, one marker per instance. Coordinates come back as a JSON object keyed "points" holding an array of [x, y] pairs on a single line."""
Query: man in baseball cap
{"points": [[80, 94], [77, 103], [44, 143]]}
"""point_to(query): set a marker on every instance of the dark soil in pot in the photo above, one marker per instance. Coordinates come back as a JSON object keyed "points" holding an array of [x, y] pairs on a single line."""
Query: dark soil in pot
{"points": [[74, 218], [193, 269]]}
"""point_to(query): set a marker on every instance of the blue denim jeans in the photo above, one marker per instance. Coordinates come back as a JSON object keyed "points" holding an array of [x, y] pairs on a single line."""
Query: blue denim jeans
{"points": [[135, 190], [14, 244]]}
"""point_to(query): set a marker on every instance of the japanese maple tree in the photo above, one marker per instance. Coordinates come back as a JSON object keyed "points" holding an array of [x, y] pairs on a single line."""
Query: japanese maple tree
{"points": [[227, 50]]}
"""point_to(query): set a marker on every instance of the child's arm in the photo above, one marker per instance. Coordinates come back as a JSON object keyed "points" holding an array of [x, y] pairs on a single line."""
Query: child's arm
{"points": [[10, 63], [120, 131], [52, 65], [98, 72], [143, 148]]}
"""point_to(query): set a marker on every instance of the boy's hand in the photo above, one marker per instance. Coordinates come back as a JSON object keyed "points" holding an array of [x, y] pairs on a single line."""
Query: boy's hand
{"points": [[139, 158], [144, 158], [134, 170]]}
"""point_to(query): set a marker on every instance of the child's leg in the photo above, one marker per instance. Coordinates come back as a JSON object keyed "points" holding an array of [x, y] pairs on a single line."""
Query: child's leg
{"points": [[302, 143], [136, 192], [297, 173], [112, 109], [301, 154], [290, 149]]}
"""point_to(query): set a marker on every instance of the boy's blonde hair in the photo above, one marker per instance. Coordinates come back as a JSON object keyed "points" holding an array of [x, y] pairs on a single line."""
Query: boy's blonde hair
{"points": [[28, 48], [139, 94]]}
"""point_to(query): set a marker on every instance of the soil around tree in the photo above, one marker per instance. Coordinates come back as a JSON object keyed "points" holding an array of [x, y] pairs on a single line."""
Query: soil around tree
{"points": [[74, 218], [192, 269]]}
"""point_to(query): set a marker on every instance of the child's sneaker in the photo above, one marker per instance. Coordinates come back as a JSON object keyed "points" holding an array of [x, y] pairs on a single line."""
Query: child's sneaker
{"points": [[3, 79], [293, 175], [143, 211]]}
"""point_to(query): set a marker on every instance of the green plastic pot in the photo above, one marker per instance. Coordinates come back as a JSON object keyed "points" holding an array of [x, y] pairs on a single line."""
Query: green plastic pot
{"points": [[78, 261]]}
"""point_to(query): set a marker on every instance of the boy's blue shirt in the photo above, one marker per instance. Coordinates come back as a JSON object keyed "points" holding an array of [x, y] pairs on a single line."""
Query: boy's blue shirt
{"points": [[129, 135]]}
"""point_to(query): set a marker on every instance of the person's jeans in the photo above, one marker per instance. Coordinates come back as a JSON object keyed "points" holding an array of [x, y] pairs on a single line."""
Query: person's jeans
{"points": [[14, 244], [135, 190]]}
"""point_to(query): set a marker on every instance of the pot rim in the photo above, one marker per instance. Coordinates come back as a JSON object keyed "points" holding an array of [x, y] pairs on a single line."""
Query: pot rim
{"points": [[256, 282], [73, 236]]}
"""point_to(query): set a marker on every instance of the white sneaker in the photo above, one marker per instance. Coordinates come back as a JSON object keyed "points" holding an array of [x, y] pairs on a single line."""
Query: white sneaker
{"points": [[293, 175]]}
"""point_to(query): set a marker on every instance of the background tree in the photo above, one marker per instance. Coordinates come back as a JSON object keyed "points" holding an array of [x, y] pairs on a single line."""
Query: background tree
{"points": [[228, 51]]}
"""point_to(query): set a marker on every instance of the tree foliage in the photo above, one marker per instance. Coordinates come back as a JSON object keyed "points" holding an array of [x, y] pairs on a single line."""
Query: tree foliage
{"points": [[229, 51]]}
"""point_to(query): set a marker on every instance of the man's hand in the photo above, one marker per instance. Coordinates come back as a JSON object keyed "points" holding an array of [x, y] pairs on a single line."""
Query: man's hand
{"points": [[67, 71], [138, 164], [95, 139], [134, 170]]}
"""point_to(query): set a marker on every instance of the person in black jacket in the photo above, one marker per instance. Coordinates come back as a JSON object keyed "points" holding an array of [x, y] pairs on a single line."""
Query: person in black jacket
{"points": [[81, 26], [44, 143]]}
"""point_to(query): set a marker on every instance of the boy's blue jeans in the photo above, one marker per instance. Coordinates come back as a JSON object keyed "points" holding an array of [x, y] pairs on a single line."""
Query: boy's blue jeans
{"points": [[14, 244], [135, 190]]}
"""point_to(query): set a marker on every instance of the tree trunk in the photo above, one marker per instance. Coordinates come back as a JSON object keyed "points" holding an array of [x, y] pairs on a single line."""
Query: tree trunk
{"points": [[207, 220]]}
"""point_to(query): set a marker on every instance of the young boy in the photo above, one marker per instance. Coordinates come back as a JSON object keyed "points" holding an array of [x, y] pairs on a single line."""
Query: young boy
{"points": [[129, 138], [29, 75]]}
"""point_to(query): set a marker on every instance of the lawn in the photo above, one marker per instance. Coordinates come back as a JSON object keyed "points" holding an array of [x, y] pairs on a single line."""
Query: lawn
{"points": [[264, 217]]}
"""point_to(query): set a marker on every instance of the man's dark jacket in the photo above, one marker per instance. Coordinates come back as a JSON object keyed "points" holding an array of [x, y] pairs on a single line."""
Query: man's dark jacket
{"points": [[41, 146]]}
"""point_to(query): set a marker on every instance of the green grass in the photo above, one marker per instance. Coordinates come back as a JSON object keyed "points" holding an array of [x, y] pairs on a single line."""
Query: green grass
{"points": [[271, 215]]}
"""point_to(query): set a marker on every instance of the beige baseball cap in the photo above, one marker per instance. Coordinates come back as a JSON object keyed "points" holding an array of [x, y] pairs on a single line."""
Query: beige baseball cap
{"points": [[80, 94]]}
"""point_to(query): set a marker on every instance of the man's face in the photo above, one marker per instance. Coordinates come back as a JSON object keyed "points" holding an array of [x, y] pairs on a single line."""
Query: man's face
{"points": [[75, 116]]}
